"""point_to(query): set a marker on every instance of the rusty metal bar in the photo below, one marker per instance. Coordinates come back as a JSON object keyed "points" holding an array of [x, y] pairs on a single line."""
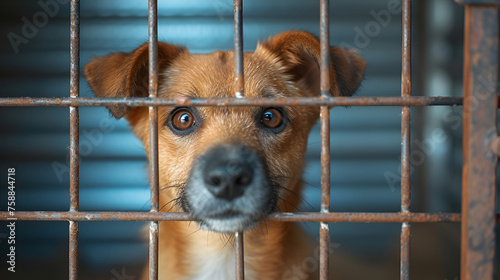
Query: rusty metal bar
{"points": [[481, 80], [239, 256], [73, 250], [239, 82], [324, 231], [74, 115], [222, 102], [404, 262], [74, 135], [405, 110], [336, 217], [325, 48], [406, 80], [153, 136], [153, 250], [479, 2], [239, 90], [153, 93]]}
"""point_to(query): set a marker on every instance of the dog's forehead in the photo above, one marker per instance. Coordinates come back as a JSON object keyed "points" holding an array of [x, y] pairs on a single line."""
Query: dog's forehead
{"points": [[212, 75]]}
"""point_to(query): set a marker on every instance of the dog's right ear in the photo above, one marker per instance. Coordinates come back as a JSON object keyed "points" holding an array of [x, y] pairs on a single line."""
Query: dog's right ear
{"points": [[126, 74], [300, 53]]}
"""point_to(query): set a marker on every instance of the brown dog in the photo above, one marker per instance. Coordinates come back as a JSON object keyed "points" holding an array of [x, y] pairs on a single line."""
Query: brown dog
{"points": [[229, 167]]}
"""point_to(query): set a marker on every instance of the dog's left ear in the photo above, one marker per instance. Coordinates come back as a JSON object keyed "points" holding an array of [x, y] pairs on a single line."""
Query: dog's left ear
{"points": [[126, 74], [300, 52]]}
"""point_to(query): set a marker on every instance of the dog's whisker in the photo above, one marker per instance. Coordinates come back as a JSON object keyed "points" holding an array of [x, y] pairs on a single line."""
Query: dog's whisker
{"points": [[298, 180], [227, 238], [175, 200], [193, 232], [301, 197], [179, 185], [291, 204]]}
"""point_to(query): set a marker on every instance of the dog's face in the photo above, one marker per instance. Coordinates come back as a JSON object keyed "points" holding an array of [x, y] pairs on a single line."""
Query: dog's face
{"points": [[228, 166]]}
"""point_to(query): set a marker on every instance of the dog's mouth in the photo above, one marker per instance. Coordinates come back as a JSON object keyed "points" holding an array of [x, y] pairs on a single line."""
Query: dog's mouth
{"points": [[228, 222], [226, 215], [229, 189]]}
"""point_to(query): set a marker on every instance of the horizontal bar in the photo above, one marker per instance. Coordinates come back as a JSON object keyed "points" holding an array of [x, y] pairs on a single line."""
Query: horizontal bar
{"points": [[478, 2], [222, 102], [282, 217]]}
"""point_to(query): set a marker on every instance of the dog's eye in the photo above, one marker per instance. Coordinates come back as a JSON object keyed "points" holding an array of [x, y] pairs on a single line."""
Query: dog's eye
{"points": [[272, 118], [182, 120]]}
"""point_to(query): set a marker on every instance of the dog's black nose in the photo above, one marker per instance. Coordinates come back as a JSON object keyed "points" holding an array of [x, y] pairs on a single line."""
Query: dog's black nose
{"points": [[228, 179], [229, 171]]}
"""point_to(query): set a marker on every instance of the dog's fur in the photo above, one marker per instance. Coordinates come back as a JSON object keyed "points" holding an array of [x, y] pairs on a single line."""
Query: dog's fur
{"points": [[286, 65]]}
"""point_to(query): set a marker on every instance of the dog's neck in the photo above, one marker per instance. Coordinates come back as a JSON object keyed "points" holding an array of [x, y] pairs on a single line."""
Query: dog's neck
{"points": [[189, 253]]}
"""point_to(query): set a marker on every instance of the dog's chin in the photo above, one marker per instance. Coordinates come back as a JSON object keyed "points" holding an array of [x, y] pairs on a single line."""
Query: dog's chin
{"points": [[229, 222]]}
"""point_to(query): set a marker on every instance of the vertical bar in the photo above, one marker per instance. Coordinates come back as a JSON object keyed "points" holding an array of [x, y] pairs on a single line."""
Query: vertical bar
{"points": [[153, 135], [325, 50], [74, 92], [481, 80], [324, 233], [239, 83], [239, 88], [73, 250], [405, 140], [238, 253], [404, 261], [74, 135]]}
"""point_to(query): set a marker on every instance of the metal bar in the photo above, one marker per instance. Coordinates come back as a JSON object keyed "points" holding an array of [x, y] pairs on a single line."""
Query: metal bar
{"points": [[223, 102], [73, 250], [239, 82], [406, 80], [481, 80], [404, 261], [239, 256], [405, 111], [153, 136], [336, 217], [153, 110], [281, 216], [239, 90], [74, 115], [324, 231], [479, 2], [325, 48], [74, 136], [153, 250]]}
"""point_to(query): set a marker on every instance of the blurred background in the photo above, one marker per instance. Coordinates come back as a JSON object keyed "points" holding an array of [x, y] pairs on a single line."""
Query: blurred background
{"points": [[34, 62]]}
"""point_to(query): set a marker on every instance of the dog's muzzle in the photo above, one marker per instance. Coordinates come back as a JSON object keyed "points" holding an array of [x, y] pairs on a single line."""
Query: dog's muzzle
{"points": [[229, 189]]}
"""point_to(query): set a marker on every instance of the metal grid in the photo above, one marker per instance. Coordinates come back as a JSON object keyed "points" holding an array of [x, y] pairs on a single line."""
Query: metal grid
{"points": [[481, 143]]}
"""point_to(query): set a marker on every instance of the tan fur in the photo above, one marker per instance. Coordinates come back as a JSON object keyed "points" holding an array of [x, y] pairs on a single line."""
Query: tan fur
{"points": [[284, 66]]}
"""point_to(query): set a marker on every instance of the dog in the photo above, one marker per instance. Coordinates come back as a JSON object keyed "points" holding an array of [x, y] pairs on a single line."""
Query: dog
{"points": [[229, 167]]}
